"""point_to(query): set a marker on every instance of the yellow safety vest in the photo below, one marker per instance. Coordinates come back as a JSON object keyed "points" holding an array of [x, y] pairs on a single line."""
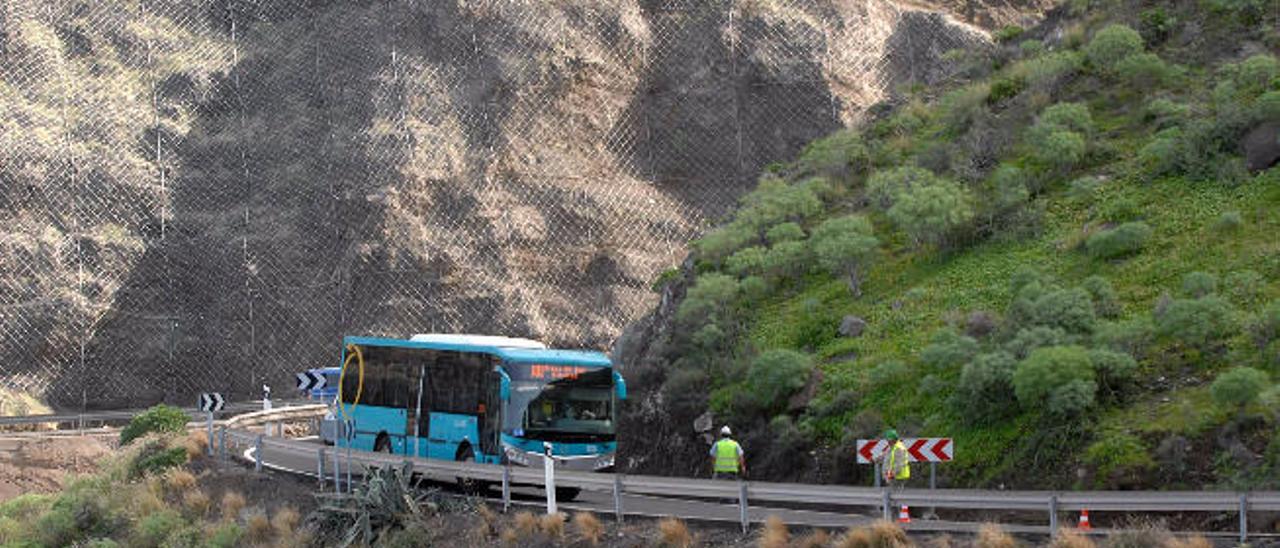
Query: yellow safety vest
{"points": [[899, 448], [727, 456]]}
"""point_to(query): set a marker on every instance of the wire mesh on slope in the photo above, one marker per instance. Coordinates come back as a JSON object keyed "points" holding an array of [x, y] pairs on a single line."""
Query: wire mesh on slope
{"points": [[208, 194]]}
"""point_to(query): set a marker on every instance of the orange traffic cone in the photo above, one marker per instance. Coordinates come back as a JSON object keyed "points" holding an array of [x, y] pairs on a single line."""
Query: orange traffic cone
{"points": [[1084, 520], [904, 515]]}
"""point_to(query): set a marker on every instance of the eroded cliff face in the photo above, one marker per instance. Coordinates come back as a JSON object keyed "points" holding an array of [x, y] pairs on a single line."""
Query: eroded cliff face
{"points": [[208, 195]]}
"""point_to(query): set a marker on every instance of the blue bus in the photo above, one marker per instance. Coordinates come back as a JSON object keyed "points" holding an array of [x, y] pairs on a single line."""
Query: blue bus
{"points": [[482, 399]]}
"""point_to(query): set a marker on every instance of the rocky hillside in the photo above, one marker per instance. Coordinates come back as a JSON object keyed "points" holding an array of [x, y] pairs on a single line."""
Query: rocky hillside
{"points": [[192, 188], [1064, 259]]}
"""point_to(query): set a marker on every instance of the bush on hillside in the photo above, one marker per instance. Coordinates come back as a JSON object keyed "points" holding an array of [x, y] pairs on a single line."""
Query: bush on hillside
{"points": [[1059, 137], [776, 375], [1114, 370], [1257, 74], [1198, 323], [884, 186], [1106, 303], [724, 241], [774, 201], [1059, 377], [1009, 188], [1031, 338], [1239, 387], [1146, 72], [746, 261], [887, 372], [785, 232], [1199, 284], [753, 288], [1005, 88], [984, 391], [1047, 73], [1164, 113], [1008, 34], [161, 418], [1111, 45], [1130, 337], [1268, 106], [1030, 48], [948, 350], [959, 108], [1122, 241], [1068, 309], [845, 246], [1162, 155], [1228, 222], [1120, 210], [708, 300], [1156, 25], [1084, 190], [1244, 287], [1266, 329], [839, 155], [930, 213], [1068, 116], [786, 260]]}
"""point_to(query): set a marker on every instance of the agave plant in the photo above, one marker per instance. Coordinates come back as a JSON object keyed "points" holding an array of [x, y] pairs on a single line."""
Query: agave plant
{"points": [[388, 500]]}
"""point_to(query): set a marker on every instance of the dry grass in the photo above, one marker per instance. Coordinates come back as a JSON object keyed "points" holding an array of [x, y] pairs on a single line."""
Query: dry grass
{"points": [[196, 502], [195, 444], [232, 504], [526, 524], [818, 538], [1072, 538], [881, 534], [941, 541], [179, 480], [257, 529], [488, 525], [674, 533], [774, 534], [552, 525], [286, 521], [993, 536], [1189, 542], [509, 536], [589, 528]]}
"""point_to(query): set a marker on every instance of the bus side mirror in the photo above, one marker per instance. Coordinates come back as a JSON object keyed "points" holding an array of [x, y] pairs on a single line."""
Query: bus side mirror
{"points": [[504, 384], [619, 385]]}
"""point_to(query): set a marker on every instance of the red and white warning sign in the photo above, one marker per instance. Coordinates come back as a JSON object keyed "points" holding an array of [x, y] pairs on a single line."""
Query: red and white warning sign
{"points": [[919, 449]]}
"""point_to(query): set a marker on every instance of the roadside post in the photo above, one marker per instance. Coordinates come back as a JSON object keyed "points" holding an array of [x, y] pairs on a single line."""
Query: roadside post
{"points": [[549, 473], [930, 450], [210, 403]]}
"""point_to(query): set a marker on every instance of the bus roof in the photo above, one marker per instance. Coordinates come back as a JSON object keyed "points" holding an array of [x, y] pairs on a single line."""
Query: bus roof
{"points": [[512, 355], [477, 340]]}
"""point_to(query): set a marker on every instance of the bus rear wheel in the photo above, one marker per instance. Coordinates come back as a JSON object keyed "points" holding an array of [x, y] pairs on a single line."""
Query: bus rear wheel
{"points": [[469, 486]]}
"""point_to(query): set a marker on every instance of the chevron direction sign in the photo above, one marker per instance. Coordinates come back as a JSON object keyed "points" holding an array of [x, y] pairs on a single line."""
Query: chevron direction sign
{"points": [[211, 402], [310, 380], [919, 449]]}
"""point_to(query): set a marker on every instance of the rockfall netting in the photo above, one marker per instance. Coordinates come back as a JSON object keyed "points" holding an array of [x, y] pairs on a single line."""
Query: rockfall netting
{"points": [[206, 195]]}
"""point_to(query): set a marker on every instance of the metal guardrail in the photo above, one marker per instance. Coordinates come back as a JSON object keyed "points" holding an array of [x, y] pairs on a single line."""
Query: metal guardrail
{"points": [[1050, 502], [121, 415]]}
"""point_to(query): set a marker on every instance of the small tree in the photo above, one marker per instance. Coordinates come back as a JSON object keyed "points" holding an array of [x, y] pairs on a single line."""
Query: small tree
{"points": [[1199, 284], [1061, 375], [786, 260], [746, 261], [1106, 303], [776, 375], [1009, 188], [1029, 339], [1111, 45], [948, 350], [724, 241], [884, 187], [1059, 138], [774, 202], [1198, 323], [1266, 329], [1239, 387], [1115, 370], [785, 232], [708, 300], [1122, 241], [845, 246], [984, 390], [928, 214], [161, 418], [1068, 309]]}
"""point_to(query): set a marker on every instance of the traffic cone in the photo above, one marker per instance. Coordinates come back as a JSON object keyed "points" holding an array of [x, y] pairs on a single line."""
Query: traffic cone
{"points": [[904, 515], [1084, 520]]}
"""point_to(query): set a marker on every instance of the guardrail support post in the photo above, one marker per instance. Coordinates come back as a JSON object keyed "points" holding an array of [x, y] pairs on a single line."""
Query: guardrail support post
{"points": [[885, 505], [549, 477], [210, 438], [1053, 515], [337, 465], [320, 466], [506, 487], [933, 485], [617, 497], [1244, 518], [257, 454], [222, 443], [742, 504], [877, 475]]}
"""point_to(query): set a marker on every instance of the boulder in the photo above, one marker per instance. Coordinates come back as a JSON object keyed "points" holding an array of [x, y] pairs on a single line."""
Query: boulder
{"points": [[704, 423], [1262, 146], [800, 401], [852, 326]]}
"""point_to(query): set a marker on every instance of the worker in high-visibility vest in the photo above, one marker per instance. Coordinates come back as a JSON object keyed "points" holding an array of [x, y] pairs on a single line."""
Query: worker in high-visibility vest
{"points": [[727, 460], [897, 464]]}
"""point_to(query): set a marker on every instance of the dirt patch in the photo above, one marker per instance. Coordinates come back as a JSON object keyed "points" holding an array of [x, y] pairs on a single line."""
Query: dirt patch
{"points": [[44, 465], [265, 491]]}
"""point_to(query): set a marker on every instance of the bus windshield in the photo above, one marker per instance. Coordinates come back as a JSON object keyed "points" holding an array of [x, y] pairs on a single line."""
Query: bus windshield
{"points": [[578, 408]]}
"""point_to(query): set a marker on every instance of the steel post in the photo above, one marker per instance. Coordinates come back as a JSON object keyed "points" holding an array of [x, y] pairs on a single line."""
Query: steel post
{"points": [[1244, 518], [257, 454], [742, 504], [222, 443], [1053, 515], [878, 473], [320, 466], [549, 477], [886, 504], [617, 497], [506, 487], [210, 437], [933, 486]]}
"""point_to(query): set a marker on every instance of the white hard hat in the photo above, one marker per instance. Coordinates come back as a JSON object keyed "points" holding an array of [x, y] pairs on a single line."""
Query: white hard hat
{"points": [[724, 431]]}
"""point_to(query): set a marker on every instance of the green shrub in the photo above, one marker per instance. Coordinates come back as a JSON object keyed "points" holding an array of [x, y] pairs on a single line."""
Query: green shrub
{"points": [[1008, 34], [786, 260], [1120, 210], [1005, 88], [1156, 25], [708, 337], [1084, 189], [887, 372], [1268, 106], [785, 232], [948, 349], [103, 543], [1030, 48], [1199, 284], [1266, 329], [1058, 138], [1239, 387], [1009, 187], [1046, 72], [1069, 116], [774, 202], [1106, 303], [746, 261], [754, 288], [1245, 287], [1122, 241], [1070, 310], [1257, 74], [1115, 370], [838, 155], [708, 299], [1112, 44], [929, 213], [884, 186], [1196, 322], [985, 389], [1059, 377], [153, 529], [161, 418], [845, 246], [1228, 221], [226, 535], [1146, 72], [724, 241], [1118, 453], [1031, 338], [157, 458], [1165, 113], [1162, 155], [775, 375], [959, 108], [1131, 337], [184, 537]]}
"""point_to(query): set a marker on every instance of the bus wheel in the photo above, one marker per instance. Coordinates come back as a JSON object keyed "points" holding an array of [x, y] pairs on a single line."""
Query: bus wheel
{"points": [[468, 485], [567, 494], [382, 444]]}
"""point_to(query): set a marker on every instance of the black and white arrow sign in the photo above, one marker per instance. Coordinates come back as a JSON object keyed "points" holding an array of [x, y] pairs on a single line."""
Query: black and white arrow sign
{"points": [[211, 402], [308, 380]]}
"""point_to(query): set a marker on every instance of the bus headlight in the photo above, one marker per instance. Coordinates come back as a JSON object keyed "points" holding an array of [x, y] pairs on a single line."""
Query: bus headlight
{"points": [[516, 456], [605, 461]]}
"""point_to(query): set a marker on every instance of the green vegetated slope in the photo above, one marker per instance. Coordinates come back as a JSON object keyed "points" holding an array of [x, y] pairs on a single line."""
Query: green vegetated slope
{"points": [[1064, 262]]}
